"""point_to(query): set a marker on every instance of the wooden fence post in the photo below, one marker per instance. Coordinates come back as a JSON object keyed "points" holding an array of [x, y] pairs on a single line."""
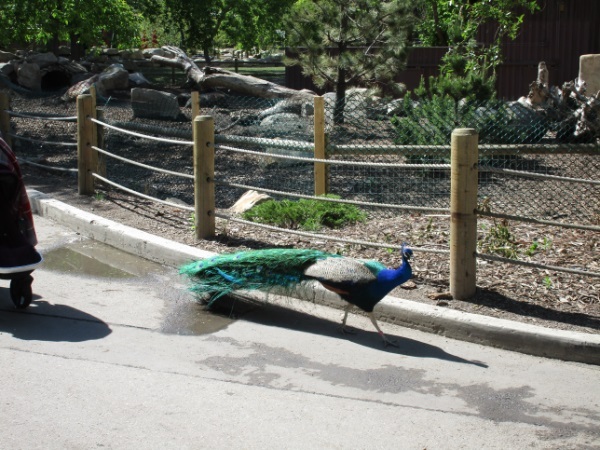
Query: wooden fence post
{"points": [[321, 169], [204, 169], [5, 118], [87, 135], [195, 104], [463, 203]]}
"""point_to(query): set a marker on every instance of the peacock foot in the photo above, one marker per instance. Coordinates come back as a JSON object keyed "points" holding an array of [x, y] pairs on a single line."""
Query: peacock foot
{"points": [[345, 330]]}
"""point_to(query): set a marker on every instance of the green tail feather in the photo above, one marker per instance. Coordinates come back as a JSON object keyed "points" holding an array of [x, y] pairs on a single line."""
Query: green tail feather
{"points": [[250, 270]]}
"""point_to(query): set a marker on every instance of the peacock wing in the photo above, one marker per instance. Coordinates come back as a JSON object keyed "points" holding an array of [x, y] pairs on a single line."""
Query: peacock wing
{"points": [[341, 271]]}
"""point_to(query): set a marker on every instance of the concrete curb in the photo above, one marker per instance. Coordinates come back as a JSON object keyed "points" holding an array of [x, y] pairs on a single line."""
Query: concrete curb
{"points": [[500, 333]]}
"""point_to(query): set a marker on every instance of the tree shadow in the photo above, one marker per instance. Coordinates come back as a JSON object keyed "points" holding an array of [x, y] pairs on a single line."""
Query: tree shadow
{"points": [[269, 314], [43, 321]]}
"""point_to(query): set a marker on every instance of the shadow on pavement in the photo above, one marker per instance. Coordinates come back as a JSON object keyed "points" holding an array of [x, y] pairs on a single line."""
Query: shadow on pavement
{"points": [[43, 321], [278, 316]]}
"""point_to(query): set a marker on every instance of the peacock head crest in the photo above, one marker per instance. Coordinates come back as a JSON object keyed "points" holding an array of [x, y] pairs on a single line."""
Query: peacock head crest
{"points": [[406, 252]]}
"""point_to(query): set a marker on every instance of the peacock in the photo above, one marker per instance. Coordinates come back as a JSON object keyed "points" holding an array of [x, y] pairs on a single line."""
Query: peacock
{"points": [[361, 283]]}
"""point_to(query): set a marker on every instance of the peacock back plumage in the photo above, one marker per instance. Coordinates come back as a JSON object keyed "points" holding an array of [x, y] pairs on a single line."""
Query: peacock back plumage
{"points": [[251, 270]]}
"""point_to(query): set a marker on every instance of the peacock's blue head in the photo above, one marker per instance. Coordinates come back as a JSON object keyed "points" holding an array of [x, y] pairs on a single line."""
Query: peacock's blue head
{"points": [[406, 252]]}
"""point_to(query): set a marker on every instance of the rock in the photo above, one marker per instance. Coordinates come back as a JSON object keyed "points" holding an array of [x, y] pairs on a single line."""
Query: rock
{"points": [[153, 104], [210, 99], [29, 76], [395, 107], [308, 109], [110, 51], [114, 77], [7, 69], [64, 50], [42, 59], [285, 106], [589, 72], [79, 88], [284, 123], [137, 54], [355, 110]]}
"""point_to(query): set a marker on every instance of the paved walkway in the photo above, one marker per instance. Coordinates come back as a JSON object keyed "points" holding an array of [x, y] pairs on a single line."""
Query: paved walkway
{"points": [[520, 337]]}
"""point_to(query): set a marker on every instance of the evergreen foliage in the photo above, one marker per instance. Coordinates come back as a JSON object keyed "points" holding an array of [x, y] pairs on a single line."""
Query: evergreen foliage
{"points": [[343, 43], [305, 214]]}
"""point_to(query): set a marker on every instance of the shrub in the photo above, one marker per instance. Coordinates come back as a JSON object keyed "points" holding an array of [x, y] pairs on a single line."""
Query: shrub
{"points": [[305, 214]]}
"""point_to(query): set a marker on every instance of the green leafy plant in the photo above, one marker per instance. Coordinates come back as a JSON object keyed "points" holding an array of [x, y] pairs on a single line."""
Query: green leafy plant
{"points": [[537, 246], [305, 214], [499, 240]]}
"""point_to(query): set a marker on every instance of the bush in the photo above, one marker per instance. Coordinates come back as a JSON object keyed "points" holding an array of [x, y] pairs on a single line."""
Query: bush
{"points": [[305, 214]]}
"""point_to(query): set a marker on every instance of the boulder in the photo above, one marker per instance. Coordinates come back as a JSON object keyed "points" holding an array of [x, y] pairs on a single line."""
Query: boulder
{"points": [[153, 104], [114, 77], [79, 88], [64, 50], [7, 69], [137, 54], [290, 105], [42, 59], [29, 76], [283, 124], [356, 107], [110, 51], [210, 99], [589, 71]]}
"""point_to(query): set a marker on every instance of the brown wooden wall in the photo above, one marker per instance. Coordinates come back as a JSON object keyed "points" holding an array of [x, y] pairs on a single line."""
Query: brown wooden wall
{"points": [[558, 34]]}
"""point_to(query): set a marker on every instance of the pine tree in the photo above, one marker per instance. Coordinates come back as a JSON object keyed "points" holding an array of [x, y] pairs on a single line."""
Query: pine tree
{"points": [[343, 43]]}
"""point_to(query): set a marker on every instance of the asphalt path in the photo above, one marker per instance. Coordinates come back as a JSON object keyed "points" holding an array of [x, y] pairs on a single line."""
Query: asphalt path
{"points": [[115, 353]]}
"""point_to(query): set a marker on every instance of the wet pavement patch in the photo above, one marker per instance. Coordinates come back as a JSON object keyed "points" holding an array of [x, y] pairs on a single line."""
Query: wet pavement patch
{"points": [[65, 259], [189, 316], [93, 258]]}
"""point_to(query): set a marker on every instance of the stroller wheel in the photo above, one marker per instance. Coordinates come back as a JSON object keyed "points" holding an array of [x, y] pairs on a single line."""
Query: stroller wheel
{"points": [[20, 291]]}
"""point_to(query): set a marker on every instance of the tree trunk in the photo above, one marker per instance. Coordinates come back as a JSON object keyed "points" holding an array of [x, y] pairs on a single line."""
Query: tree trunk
{"points": [[212, 77], [340, 97]]}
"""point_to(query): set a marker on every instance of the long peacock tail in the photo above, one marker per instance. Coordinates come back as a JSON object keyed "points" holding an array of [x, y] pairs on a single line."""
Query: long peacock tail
{"points": [[250, 270]]}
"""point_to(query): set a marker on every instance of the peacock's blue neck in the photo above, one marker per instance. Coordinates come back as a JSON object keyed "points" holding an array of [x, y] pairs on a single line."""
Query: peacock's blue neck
{"points": [[395, 277]]}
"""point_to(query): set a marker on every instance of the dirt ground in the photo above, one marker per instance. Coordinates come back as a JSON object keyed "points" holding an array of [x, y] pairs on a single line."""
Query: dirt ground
{"points": [[549, 299]]}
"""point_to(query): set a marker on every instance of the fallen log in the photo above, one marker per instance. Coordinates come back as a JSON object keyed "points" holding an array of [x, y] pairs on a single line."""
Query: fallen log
{"points": [[216, 78]]}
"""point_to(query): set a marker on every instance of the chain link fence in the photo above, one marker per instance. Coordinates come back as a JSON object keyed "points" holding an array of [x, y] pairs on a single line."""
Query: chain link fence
{"points": [[529, 165]]}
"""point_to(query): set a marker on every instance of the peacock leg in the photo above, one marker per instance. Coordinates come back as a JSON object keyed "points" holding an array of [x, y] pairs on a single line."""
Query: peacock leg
{"points": [[386, 341], [343, 328]]}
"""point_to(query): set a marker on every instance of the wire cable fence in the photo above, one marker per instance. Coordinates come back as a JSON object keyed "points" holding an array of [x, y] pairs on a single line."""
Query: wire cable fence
{"points": [[391, 158], [41, 137]]}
